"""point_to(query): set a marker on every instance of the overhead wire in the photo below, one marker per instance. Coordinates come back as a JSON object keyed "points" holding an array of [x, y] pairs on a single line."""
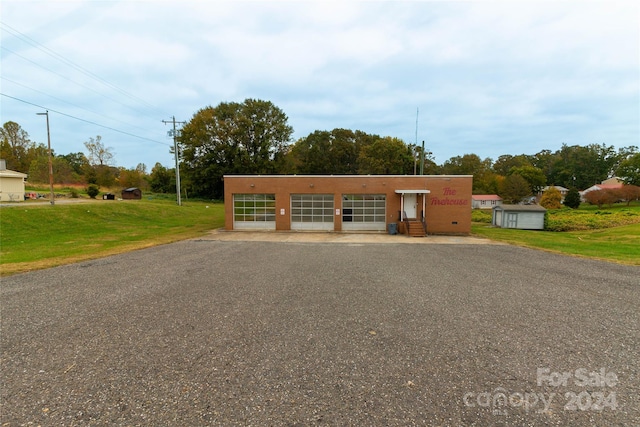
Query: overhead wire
{"points": [[86, 121], [84, 71], [70, 103], [77, 67]]}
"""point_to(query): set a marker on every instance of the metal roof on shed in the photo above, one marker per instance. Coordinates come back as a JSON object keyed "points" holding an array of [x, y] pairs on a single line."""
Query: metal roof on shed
{"points": [[520, 208]]}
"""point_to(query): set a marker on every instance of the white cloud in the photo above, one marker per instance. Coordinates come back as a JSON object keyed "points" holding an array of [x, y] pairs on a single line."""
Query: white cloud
{"points": [[491, 77]]}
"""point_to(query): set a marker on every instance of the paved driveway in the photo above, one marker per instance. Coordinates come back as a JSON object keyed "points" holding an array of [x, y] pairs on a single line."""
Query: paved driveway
{"points": [[227, 332]]}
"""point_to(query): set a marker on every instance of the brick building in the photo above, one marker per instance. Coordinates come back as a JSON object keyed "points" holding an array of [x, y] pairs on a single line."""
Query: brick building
{"points": [[414, 204]]}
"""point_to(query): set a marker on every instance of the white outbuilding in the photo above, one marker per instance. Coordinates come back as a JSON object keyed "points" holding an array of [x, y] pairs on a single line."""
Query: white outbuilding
{"points": [[11, 185], [525, 217]]}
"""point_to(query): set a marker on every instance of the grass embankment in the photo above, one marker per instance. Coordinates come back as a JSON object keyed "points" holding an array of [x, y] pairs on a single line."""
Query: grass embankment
{"points": [[42, 236], [609, 234]]}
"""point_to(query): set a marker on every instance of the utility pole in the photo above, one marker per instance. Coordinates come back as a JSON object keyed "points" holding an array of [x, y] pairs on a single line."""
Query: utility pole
{"points": [[175, 149], [416, 144], [52, 196], [422, 160]]}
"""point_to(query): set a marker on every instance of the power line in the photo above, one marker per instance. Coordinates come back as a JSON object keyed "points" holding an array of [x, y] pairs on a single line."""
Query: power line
{"points": [[86, 121], [65, 77], [72, 64], [72, 104]]}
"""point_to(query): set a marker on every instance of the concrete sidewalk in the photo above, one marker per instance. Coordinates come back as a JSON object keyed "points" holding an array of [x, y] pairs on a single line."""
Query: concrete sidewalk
{"points": [[338, 237]]}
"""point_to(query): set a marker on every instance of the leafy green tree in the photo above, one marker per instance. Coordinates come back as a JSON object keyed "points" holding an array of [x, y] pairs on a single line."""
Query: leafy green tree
{"points": [[14, 146], [505, 163], [162, 180], [386, 156], [583, 166], [471, 164], [514, 188], [487, 183], [534, 176], [62, 171], [629, 170], [572, 199], [233, 138], [128, 178], [78, 161], [551, 199]]}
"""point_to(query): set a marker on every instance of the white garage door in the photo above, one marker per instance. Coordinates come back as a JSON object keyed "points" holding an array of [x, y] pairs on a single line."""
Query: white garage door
{"points": [[312, 212], [365, 212], [254, 212]]}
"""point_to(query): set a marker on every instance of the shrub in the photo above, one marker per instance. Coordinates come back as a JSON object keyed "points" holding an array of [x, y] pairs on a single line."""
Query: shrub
{"points": [[93, 190], [628, 193], [482, 215], [601, 197], [572, 199], [551, 199], [74, 193]]}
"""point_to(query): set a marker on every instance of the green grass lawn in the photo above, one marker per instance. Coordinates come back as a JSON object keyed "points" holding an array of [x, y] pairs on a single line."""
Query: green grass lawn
{"points": [[595, 233], [41, 236]]}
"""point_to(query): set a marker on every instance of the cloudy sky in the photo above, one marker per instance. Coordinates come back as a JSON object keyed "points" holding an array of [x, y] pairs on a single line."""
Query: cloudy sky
{"points": [[483, 77]]}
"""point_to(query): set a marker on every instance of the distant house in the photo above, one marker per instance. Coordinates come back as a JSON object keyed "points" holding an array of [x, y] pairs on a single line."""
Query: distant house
{"points": [[563, 191], [525, 217], [132, 193], [613, 180], [600, 187], [485, 201], [11, 184]]}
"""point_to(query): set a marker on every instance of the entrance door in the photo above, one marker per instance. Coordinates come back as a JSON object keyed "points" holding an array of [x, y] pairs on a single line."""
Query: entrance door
{"points": [[512, 220], [411, 205]]}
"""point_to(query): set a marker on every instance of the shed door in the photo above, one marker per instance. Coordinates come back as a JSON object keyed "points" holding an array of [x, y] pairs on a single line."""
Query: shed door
{"points": [[512, 220]]}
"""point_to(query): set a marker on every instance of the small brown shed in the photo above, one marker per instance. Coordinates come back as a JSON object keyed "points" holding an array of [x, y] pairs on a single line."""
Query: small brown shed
{"points": [[132, 193]]}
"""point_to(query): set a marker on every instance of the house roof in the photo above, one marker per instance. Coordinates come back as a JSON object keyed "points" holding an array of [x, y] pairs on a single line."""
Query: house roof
{"points": [[558, 187], [7, 173], [521, 208], [485, 197]]}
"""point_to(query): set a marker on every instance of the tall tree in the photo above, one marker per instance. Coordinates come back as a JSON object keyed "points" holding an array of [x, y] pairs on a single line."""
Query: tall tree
{"points": [[534, 176], [629, 170], [14, 146], [98, 154], [324, 152], [162, 180], [241, 138], [471, 164], [582, 166], [100, 159], [514, 188], [386, 156], [505, 163]]}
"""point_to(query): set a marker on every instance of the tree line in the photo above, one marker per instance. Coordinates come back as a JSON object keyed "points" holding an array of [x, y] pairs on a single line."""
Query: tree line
{"points": [[254, 137]]}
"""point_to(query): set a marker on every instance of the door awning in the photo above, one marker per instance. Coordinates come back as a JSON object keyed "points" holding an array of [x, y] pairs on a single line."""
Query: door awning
{"points": [[413, 191]]}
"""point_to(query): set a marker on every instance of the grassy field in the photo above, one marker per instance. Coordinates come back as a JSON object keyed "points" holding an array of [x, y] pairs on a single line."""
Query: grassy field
{"points": [[610, 234], [41, 236], [35, 236]]}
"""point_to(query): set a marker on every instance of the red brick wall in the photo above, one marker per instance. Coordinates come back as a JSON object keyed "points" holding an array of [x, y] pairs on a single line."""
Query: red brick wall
{"points": [[448, 205]]}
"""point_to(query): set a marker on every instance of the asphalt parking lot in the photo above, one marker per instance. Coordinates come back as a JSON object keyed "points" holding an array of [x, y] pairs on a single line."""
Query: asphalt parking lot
{"points": [[237, 329]]}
